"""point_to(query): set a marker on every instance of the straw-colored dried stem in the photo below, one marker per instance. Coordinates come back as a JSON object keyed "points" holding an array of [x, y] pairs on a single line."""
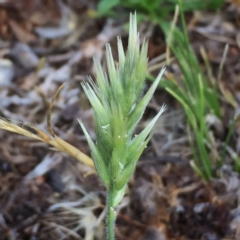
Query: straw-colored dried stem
{"points": [[56, 142], [53, 140], [49, 113]]}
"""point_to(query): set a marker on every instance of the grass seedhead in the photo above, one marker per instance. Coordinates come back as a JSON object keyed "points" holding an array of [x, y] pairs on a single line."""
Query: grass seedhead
{"points": [[118, 103]]}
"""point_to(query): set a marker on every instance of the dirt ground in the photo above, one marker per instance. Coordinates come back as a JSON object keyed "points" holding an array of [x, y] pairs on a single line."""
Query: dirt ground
{"points": [[46, 194]]}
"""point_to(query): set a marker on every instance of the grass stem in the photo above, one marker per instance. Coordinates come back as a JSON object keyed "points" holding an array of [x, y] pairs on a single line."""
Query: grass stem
{"points": [[111, 215]]}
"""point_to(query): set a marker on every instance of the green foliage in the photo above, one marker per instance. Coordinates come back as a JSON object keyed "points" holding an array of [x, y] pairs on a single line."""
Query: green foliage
{"points": [[118, 103], [196, 95], [156, 9]]}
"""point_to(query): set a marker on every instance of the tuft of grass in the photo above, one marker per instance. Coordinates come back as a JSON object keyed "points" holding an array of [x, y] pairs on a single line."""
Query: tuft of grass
{"points": [[118, 103], [199, 97], [196, 94]]}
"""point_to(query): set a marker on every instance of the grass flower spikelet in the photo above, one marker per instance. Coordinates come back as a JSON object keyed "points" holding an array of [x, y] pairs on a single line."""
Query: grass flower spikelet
{"points": [[118, 103], [118, 106]]}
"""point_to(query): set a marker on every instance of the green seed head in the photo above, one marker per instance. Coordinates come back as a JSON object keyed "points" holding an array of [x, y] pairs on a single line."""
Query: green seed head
{"points": [[118, 103]]}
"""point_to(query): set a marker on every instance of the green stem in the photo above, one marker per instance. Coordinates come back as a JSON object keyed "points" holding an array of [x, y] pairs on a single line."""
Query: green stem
{"points": [[111, 215]]}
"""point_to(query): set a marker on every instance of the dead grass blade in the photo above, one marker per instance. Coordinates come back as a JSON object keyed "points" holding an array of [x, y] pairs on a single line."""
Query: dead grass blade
{"points": [[56, 142], [49, 113], [53, 140]]}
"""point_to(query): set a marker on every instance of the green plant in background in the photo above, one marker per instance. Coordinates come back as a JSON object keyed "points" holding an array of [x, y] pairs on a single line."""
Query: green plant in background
{"points": [[195, 94], [118, 103], [156, 10]]}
